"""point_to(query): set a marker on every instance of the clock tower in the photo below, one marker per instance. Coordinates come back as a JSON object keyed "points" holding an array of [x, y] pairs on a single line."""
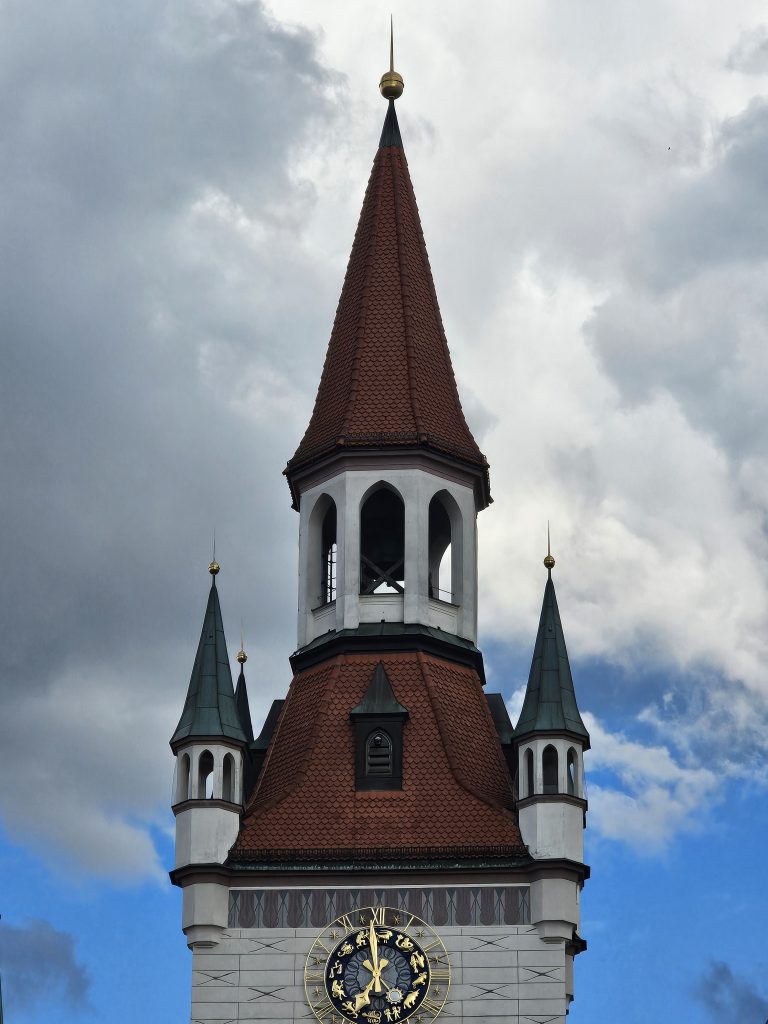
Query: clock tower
{"points": [[389, 847]]}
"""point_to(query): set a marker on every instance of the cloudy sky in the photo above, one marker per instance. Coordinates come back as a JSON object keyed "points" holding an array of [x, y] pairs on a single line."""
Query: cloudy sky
{"points": [[180, 183]]}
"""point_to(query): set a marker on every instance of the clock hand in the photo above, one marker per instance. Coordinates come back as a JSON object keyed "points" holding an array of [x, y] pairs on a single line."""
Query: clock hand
{"points": [[378, 967], [363, 998], [376, 972]]}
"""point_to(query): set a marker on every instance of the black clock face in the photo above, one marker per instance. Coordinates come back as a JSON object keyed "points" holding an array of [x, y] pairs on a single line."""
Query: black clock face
{"points": [[383, 966]]}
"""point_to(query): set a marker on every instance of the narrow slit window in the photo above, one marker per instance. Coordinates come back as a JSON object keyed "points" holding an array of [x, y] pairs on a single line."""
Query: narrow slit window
{"points": [[228, 779], [529, 772], [205, 776], [573, 785], [549, 769]]}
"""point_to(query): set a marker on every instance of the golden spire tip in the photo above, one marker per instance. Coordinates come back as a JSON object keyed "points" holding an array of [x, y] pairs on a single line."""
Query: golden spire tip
{"points": [[242, 657], [549, 561], [213, 568], [391, 85]]}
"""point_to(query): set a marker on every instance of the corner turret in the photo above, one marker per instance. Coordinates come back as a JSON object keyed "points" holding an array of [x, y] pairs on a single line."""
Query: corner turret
{"points": [[210, 744], [551, 739]]}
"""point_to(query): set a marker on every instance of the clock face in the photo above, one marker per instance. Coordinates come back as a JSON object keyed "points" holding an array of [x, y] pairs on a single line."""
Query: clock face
{"points": [[375, 966]]}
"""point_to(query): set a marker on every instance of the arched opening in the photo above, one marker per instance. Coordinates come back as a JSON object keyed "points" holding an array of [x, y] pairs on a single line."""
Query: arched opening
{"points": [[444, 549], [228, 779], [573, 772], [182, 793], [549, 769], [382, 543], [328, 552], [378, 754], [205, 776], [529, 772], [323, 550]]}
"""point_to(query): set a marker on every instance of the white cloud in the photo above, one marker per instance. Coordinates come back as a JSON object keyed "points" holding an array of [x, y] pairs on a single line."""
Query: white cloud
{"points": [[657, 796]]}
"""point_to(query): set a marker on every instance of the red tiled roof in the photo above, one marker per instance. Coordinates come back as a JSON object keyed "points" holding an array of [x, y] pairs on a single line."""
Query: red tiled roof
{"points": [[387, 379], [456, 790]]}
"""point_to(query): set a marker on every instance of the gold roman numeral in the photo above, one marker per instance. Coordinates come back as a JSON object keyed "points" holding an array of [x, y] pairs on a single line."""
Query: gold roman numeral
{"points": [[346, 923], [378, 915]]}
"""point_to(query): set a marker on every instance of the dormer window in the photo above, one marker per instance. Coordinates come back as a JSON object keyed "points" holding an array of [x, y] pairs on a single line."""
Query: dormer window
{"points": [[378, 721]]}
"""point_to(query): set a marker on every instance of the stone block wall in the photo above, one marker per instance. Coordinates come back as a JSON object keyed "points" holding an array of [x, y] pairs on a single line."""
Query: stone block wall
{"points": [[499, 975]]}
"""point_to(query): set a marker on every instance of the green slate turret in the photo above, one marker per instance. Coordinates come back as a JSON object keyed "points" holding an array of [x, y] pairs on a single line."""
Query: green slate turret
{"points": [[210, 710], [550, 700]]}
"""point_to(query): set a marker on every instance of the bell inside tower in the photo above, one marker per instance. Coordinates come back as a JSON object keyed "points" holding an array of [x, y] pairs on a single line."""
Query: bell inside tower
{"points": [[382, 543]]}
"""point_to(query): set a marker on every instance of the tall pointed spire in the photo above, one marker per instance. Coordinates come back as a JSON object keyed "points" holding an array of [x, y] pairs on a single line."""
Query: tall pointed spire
{"points": [[388, 381], [550, 699], [209, 710], [241, 693]]}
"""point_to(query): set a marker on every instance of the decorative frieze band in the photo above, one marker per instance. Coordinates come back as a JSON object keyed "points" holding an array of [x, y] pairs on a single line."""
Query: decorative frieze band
{"points": [[313, 908]]}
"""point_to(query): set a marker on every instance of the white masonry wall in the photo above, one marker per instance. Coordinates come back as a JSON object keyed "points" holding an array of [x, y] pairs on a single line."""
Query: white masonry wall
{"points": [[500, 974]]}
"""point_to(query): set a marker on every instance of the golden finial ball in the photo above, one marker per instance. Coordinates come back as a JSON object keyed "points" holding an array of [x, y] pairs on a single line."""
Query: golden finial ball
{"points": [[549, 562], [213, 568], [242, 657], [391, 85]]}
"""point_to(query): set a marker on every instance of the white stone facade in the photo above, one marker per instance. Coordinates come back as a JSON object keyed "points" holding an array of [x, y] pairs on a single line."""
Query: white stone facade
{"points": [[500, 974]]}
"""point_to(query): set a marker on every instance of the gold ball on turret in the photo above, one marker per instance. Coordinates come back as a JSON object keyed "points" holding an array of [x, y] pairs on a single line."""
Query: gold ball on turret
{"points": [[391, 85], [549, 562], [213, 568], [242, 657]]}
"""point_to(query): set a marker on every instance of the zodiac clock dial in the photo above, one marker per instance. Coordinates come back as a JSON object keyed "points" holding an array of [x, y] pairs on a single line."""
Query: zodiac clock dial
{"points": [[375, 966]]}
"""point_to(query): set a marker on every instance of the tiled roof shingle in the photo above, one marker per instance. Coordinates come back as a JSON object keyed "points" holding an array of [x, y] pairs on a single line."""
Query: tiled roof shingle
{"points": [[456, 788], [388, 379]]}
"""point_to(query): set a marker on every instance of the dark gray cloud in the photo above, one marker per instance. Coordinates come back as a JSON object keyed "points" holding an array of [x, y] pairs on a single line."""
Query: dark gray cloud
{"points": [[153, 379], [39, 965], [730, 998]]}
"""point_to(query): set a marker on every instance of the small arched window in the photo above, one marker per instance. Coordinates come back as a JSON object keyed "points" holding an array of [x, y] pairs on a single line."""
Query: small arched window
{"points": [[378, 754], [529, 772], [549, 769], [205, 776], [573, 769], [182, 792], [228, 779]]}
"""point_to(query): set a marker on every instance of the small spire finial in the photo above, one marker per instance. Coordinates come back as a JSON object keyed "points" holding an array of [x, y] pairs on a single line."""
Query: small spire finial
{"points": [[391, 85], [213, 568], [242, 657], [549, 561]]}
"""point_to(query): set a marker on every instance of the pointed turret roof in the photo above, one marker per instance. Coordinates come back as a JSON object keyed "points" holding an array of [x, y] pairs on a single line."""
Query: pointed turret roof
{"points": [[388, 381], [550, 700], [243, 706], [210, 710]]}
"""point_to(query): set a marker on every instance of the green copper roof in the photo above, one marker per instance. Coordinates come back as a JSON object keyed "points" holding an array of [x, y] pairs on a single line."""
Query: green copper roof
{"points": [[243, 707], [210, 708], [379, 698], [550, 700], [390, 133]]}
